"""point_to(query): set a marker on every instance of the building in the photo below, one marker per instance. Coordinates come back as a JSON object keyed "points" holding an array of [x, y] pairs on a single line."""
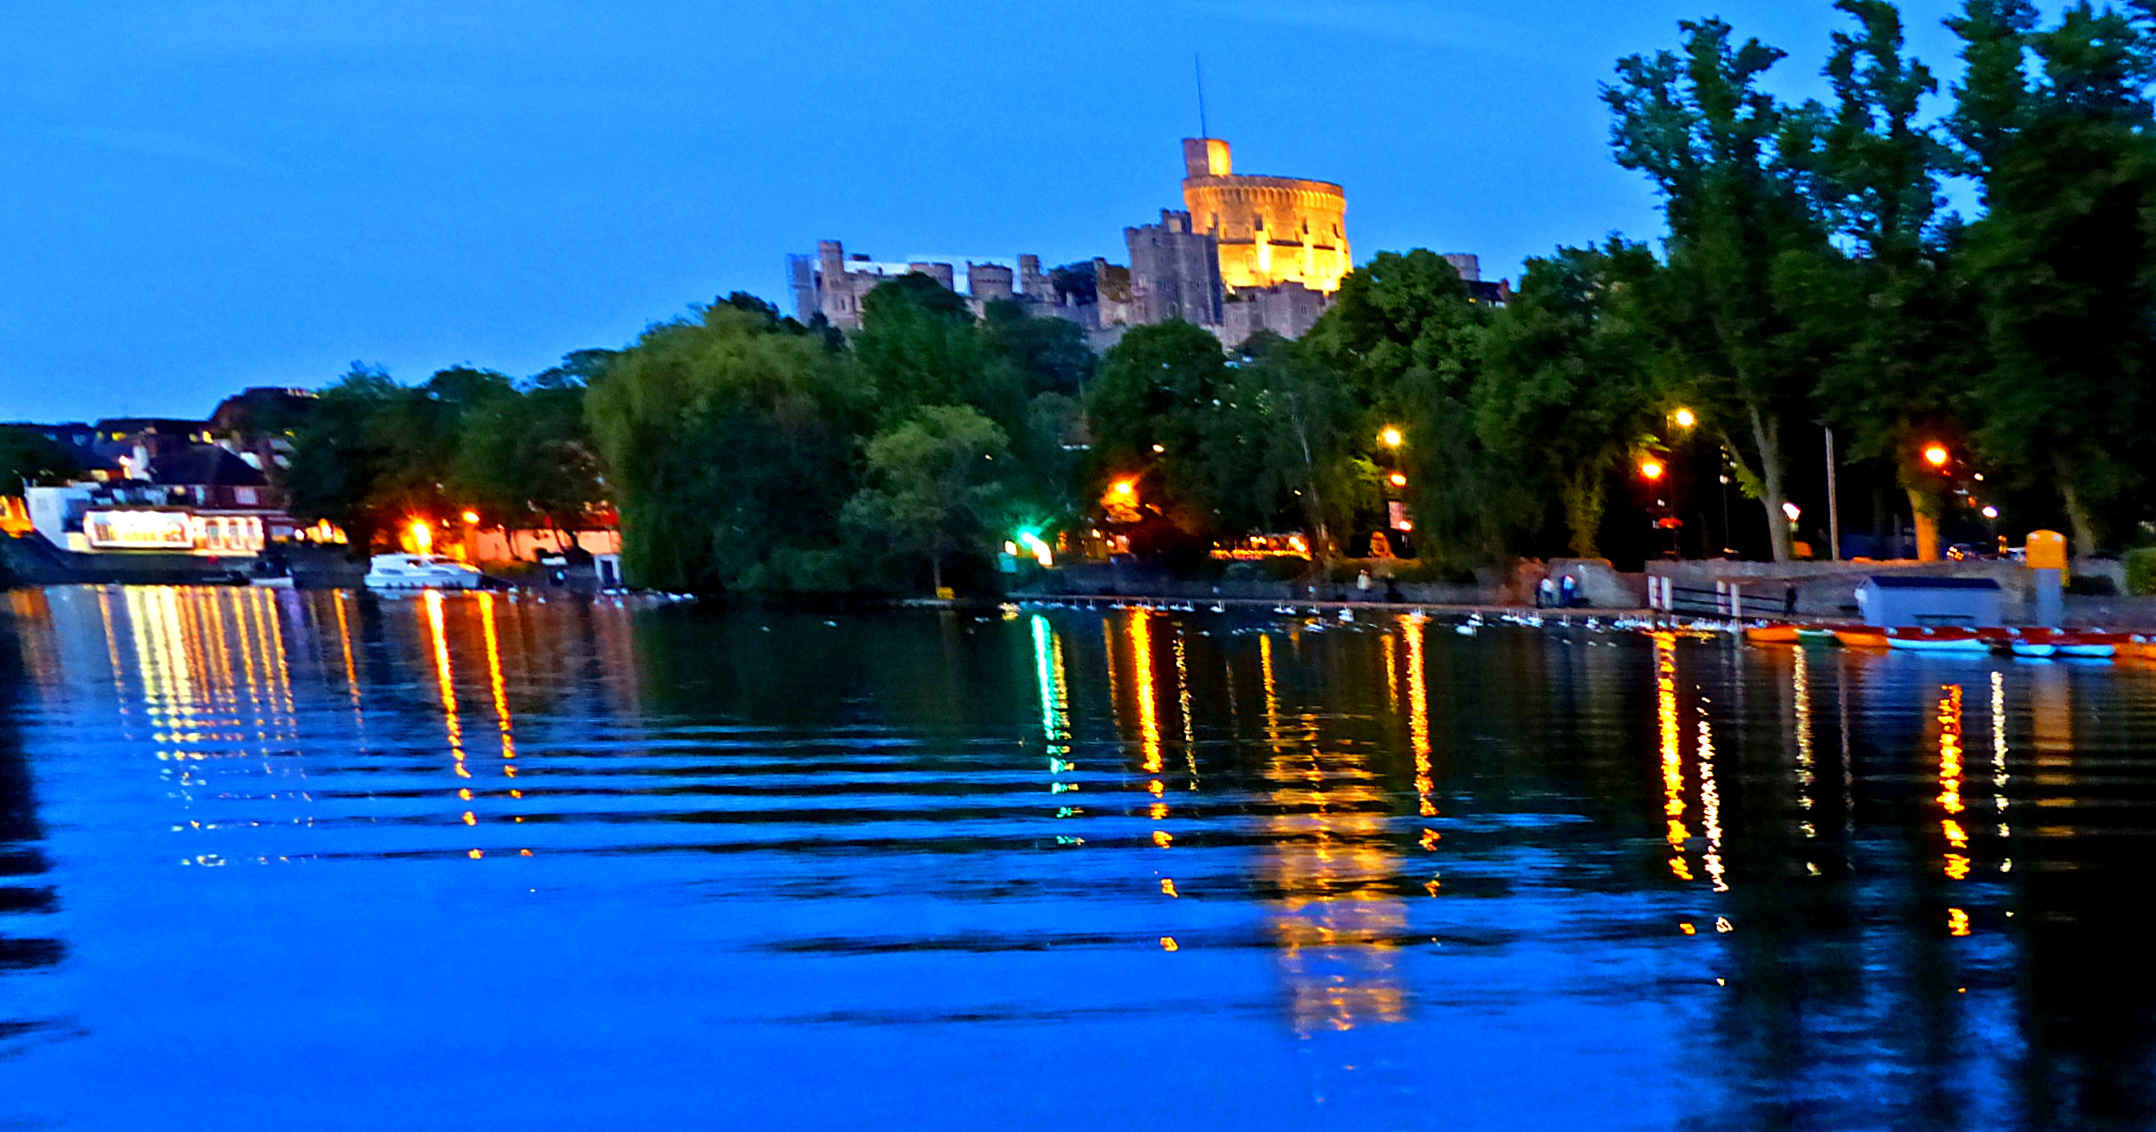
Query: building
{"points": [[1174, 272], [199, 500], [833, 284], [1270, 230], [1246, 253]]}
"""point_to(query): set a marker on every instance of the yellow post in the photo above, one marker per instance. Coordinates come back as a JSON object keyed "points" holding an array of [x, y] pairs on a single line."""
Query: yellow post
{"points": [[2046, 551]]}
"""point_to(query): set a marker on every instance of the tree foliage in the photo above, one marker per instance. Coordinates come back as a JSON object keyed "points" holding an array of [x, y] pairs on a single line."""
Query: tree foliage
{"points": [[29, 457], [936, 484], [1568, 396]]}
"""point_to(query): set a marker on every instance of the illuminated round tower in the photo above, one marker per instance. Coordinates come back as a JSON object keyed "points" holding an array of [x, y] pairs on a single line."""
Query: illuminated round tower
{"points": [[1271, 229]]}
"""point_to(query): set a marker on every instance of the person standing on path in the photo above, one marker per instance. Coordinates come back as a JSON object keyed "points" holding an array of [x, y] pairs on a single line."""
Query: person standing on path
{"points": [[1362, 586], [1545, 593]]}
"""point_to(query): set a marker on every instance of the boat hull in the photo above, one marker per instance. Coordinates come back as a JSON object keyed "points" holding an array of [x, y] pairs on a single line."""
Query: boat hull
{"points": [[414, 584], [1935, 641]]}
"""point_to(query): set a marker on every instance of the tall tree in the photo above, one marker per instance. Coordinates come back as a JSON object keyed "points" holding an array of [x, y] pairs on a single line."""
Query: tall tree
{"points": [[1566, 395], [936, 485], [1699, 126], [1149, 409], [375, 454], [529, 456], [2065, 254], [1404, 338], [1897, 304], [729, 448], [1284, 443]]}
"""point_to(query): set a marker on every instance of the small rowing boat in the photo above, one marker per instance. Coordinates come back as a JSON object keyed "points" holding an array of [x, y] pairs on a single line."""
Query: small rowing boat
{"points": [[1771, 634], [1926, 639], [2067, 642], [1861, 638], [1816, 635]]}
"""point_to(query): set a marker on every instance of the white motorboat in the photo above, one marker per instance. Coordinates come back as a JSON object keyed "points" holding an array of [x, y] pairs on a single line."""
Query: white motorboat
{"points": [[420, 572]]}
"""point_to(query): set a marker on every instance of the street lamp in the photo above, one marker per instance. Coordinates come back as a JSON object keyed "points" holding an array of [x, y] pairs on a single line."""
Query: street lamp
{"points": [[1391, 437], [1651, 468], [1125, 489], [1936, 455], [1683, 418], [1991, 513], [1397, 479]]}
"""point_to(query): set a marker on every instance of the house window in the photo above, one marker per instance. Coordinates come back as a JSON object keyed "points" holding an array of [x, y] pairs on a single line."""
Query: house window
{"points": [[244, 496]]}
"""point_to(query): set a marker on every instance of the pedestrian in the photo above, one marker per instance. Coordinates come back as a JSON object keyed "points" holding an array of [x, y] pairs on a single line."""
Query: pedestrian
{"points": [[1789, 600], [1568, 592], [1545, 593], [1362, 586]]}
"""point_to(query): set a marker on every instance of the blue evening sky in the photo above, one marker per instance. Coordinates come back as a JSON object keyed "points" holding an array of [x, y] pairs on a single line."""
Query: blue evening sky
{"points": [[210, 194]]}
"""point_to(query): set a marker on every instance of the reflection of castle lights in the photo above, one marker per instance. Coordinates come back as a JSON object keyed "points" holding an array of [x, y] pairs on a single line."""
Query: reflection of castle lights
{"points": [[1950, 772], [1999, 776], [1710, 804], [1800, 683], [1665, 696], [1141, 649]]}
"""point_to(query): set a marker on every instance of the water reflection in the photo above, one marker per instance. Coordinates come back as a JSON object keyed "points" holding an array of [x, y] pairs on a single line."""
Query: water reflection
{"points": [[1343, 859]]}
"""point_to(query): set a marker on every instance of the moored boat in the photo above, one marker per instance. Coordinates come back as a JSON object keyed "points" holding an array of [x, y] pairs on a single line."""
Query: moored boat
{"points": [[1771, 634], [2067, 642], [1927, 639], [420, 572], [1861, 638], [1817, 635]]}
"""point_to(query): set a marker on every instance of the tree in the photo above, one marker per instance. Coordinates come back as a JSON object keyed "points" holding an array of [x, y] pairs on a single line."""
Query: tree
{"points": [[1050, 353], [1404, 339], [2065, 256], [30, 457], [729, 446], [372, 455], [1284, 442], [1149, 407], [1898, 306], [918, 345], [935, 485], [1740, 237], [1566, 397], [530, 454]]}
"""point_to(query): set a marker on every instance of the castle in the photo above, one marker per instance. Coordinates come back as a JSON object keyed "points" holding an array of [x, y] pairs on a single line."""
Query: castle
{"points": [[1246, 253]]}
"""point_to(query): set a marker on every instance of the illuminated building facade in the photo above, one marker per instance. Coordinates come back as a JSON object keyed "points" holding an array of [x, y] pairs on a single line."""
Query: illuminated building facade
{"points": [[1270, 230]]}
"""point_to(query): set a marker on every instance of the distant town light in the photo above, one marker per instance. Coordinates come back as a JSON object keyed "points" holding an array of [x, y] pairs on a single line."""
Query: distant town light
{"points": [[1158, 449], [1990, 512], [471, 517], [420, 534], [1397, 479], [1936, 455], [1125, 488]]}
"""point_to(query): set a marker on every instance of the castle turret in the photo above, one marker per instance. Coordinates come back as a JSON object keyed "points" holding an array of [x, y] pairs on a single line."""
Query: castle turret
{"points": [[1270, 229]]}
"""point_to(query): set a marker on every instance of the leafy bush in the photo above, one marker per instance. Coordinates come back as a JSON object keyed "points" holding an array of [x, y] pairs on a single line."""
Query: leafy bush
{"points": [[2141, 572]]}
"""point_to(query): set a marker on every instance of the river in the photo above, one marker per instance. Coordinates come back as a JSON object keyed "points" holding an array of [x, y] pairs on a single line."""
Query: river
{"points": [[309, 859]]}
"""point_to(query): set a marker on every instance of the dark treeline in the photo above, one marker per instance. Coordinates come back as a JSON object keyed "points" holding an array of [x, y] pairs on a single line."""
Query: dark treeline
{"points": [[1811, 274]]}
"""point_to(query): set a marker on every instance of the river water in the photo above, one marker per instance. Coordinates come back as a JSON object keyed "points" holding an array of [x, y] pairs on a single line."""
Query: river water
{"points": [[317, 860]]}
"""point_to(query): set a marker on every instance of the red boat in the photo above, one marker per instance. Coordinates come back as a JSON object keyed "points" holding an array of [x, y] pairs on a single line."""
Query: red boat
{"points": [[1948, 639]]}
